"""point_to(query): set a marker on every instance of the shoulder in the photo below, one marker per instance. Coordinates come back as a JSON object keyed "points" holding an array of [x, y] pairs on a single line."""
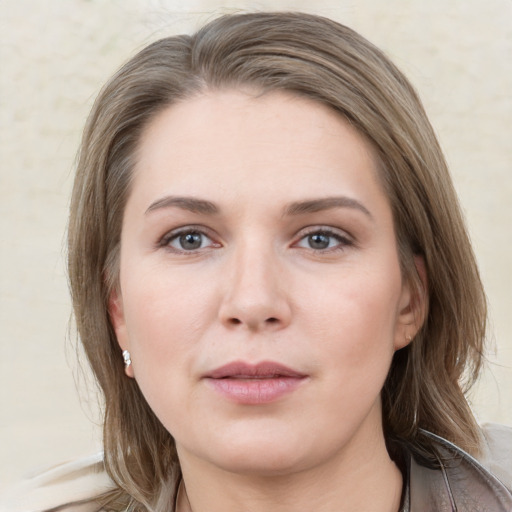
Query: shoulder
{"points": [[461, 482], [497, 454], [69, 487]]}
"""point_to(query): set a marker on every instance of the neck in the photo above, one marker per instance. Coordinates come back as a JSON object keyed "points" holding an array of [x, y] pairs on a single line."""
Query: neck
{"points": [[370, 482]]}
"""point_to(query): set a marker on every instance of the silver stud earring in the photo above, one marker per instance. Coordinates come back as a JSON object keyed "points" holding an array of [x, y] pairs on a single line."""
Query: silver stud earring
{"points": [[127, 358]]}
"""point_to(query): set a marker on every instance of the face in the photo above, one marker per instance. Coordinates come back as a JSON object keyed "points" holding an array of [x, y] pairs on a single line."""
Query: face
{"points": [[260, 291]]}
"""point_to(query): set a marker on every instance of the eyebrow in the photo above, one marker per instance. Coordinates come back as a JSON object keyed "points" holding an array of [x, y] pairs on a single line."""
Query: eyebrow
{"points": [[191, 204], [205, 207], [318, 205]]}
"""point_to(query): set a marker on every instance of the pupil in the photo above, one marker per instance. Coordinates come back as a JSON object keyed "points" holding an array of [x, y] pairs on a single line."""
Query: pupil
{"points": [[190, 241], [319, 241]]}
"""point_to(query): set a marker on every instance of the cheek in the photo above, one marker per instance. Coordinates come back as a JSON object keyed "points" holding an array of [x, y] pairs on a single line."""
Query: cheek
{"points": [[355, 321], [157, 299], [163, 327], [165, 320], [359, 302]]}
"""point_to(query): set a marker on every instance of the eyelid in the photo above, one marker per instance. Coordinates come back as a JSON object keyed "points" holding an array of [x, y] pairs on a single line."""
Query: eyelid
{"points": [[344, 238], [165, 240]]}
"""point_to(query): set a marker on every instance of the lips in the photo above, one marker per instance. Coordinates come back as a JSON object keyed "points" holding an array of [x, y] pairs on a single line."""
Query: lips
{"points": [[249, 384], [264, 370]]}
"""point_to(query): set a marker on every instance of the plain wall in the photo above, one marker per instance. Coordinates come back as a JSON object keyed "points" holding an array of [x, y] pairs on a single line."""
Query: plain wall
{"points": [[54, 57]]}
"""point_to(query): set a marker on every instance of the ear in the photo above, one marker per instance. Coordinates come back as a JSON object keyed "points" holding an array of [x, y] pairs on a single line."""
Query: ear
{"points": [[413, 307], [116, 313]]}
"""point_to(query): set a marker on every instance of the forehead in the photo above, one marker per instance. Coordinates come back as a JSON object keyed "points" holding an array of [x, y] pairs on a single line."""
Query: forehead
{"points": [[260, 144]]}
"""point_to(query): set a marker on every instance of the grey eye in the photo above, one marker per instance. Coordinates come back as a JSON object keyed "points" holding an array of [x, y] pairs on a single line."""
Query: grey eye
{"points": [[319, 240], [189, 241]]}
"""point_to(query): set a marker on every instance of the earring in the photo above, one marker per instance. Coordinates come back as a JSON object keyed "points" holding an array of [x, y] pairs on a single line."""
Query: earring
{"points": [[127, 358]]}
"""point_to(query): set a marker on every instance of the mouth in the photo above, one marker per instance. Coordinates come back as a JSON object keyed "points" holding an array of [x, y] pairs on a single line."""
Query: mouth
{"points": [[249, 384]]}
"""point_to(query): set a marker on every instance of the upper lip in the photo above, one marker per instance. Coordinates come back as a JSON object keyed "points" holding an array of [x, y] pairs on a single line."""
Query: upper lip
{"points": [[262, 370]]}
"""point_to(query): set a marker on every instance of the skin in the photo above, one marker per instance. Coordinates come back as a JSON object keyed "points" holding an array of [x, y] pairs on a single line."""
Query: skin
{"points": [[319, 290]]}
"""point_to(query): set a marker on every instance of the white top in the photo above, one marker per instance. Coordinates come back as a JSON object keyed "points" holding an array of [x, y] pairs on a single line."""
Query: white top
{"points": [[81, 479]]}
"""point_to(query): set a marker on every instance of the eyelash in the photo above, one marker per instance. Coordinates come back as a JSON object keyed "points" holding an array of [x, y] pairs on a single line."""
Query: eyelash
{"points": [[166, 240], [343, 240]]}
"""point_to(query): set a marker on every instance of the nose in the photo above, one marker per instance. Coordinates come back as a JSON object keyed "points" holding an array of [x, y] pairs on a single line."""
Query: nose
{"points": [[255, 293]]}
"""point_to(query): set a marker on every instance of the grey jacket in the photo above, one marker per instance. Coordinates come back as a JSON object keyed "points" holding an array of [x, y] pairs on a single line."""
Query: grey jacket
{"points": [[463, 484]]}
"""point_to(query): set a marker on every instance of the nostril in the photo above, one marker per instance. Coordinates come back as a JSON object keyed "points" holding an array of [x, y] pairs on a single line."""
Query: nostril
{"points": [[272, 320], [235, 321]]}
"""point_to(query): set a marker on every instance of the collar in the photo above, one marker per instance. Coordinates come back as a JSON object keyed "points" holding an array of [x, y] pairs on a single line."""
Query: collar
{"points": [[458, 483]]}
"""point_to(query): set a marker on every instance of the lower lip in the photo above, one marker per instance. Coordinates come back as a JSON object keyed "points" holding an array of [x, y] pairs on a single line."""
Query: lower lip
{"points": [[255, 391]]}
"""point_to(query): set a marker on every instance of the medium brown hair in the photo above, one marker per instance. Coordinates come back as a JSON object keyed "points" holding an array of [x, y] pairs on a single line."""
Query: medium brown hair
{"points": [[322, 60]]}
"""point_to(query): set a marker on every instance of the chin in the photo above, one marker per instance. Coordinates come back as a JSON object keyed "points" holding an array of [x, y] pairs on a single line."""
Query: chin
{"points": [[262, 452], [261, 461]]}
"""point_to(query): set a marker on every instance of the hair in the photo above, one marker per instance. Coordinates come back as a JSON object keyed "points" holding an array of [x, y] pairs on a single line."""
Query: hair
{"points": [[319, 59]]}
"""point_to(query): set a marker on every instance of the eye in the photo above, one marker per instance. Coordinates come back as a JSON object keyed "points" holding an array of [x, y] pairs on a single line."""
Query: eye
{"points": [[187, 241], [322, 240]]}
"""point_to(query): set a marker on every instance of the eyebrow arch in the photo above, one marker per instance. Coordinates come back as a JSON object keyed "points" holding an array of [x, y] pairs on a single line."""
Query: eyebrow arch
{"points": [[318, 205], [191, 204]]}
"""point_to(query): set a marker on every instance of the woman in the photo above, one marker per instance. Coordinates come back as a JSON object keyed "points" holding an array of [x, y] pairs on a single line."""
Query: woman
{"points": [[273, 282]]}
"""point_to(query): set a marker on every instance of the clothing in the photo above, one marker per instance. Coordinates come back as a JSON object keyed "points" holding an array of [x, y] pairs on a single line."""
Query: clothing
{"points": [[69, 483], [462, 484]]}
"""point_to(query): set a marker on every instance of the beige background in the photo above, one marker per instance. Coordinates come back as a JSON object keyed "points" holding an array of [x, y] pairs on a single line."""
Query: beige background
{"points": [[54, 56]]}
